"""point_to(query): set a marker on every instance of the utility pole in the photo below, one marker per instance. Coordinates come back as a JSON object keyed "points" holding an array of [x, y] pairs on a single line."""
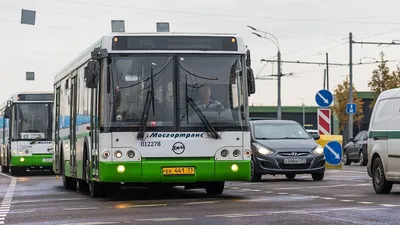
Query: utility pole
{"points": [[279, 109], [327, 72], [350, 124], [324, 79]]}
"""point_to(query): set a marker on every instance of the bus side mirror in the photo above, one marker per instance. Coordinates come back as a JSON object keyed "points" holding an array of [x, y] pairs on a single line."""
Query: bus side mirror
{"points": [[92, 73], [251, 82], [7, 112]]}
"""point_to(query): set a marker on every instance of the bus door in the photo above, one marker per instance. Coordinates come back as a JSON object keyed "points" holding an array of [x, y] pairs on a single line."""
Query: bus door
{"points": [[94, 131], [72, 139], [56, 154]]}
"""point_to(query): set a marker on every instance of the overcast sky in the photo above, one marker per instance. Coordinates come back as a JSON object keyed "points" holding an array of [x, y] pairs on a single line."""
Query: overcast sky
{"points": [[306, 30]]}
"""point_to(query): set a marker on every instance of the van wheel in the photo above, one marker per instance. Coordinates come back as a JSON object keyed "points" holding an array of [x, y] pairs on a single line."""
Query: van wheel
{"points": [[361, 158], [346, 159], [381, 185]]}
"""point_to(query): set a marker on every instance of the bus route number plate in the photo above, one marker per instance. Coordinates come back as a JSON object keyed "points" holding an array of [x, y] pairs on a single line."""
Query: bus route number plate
{"points": [[178, 170], [47, 159]]}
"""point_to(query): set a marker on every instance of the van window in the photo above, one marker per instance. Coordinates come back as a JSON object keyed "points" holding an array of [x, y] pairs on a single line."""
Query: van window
{"points": [[387, 115]]}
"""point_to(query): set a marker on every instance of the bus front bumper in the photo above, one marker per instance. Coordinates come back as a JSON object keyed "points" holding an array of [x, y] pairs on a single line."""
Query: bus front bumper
{"points": [[152, 171], [44, 160]]}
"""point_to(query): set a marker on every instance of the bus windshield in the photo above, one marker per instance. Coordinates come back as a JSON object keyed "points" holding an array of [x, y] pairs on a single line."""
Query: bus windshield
{"points": [[213, 82], [32, 120]]}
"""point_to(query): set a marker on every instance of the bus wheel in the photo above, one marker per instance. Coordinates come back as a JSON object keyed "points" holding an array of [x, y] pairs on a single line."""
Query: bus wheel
{"points": [[96, 189], [15, 171], [5, 169], [83, 186], [215, 188]]}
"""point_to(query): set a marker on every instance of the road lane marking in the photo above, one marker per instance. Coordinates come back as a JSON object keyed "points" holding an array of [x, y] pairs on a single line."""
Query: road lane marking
{"points": [[198, 203], [83, 208], [389, 205], [365, 202], [325, 186], [327, 198], [47, 200], [90, 223], [8, 176], [347, 200], [282, 193], [164, 219], [6, 203], [148, 205]]}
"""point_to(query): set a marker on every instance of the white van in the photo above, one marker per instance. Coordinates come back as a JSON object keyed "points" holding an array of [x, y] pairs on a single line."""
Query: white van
{"points": [[384, 142]]}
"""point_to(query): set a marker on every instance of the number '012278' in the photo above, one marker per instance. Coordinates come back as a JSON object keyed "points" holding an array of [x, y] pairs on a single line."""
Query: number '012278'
{"points": [[150, 143]]}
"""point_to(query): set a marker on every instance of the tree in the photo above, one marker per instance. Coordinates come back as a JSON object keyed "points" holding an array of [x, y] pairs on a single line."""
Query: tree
{"points": [[341, 99], [382, 79]]}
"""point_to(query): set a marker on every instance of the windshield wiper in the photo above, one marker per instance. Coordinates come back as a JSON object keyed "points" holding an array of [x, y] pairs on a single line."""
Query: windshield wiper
{"points": [[197, 110], [40, 136], [146, 108]]}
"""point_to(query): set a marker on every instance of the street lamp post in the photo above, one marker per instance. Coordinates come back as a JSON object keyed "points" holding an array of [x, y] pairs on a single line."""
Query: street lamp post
{"points": [[304, 112], [276, 42]]}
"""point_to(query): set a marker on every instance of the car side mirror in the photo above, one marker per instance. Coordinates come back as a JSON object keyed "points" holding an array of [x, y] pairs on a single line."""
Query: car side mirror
{"points": [[351, 140], [316, 136]]}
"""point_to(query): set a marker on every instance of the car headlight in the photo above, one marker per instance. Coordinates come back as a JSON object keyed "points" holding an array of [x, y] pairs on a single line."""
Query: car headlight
{"points": [[318, 150], [263, 150]]}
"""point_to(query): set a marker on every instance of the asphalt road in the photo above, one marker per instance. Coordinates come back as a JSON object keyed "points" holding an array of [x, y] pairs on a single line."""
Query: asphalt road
{"points": [[343, 197]]}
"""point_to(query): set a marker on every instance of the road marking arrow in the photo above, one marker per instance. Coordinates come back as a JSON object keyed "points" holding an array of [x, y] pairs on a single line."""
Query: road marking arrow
{"points": [[324, 99], [333, 152]]}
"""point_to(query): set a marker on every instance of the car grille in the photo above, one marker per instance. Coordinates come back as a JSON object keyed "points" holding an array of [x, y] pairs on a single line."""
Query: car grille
{"points": [[294, 153], [294, 166]]}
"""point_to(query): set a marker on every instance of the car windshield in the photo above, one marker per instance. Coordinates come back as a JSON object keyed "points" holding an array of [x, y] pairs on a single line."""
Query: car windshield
{"points": [[32, 120], [280, 131]]}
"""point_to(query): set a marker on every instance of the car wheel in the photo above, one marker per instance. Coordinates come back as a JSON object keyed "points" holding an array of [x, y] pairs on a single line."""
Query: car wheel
{"points": [[255, 177], [379, 182], [290, 176], [317, 176], [361, 158], [346, 160]]}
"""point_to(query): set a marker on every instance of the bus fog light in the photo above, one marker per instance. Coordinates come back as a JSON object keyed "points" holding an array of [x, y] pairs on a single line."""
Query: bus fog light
{"points": [[118, 154], [121, 169], [131, 154], [224, 153], [21, 159], [236, 153], [234, 168]]}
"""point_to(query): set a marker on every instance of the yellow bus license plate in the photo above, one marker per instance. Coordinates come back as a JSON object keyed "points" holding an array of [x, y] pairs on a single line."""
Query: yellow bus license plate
{"points": [[178, 171]]}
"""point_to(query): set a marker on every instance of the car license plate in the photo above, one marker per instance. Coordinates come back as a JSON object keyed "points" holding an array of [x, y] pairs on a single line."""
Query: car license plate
{"points": [[48, 160], [294, 161], [178, 170]]}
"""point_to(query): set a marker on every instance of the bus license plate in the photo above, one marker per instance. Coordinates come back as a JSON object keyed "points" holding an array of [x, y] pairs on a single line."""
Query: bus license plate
{"points": [[294, 161], [48, 160], [178, 171]]}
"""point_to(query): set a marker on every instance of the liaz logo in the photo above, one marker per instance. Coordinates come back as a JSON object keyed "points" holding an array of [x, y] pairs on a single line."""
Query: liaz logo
{"points": [[178, 148], [175, 135]]}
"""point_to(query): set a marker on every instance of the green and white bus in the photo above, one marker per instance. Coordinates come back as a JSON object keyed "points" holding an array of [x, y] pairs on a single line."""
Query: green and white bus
{"points": [[154, 109], [26, 129]]}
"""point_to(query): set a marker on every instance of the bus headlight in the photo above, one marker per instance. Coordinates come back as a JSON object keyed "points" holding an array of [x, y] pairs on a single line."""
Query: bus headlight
{"points": [[234, 168], [131, 154], [20, 152], [21, 159], [14, 152], [236, 153], [118, 154], [224, 153], [105, 154]]}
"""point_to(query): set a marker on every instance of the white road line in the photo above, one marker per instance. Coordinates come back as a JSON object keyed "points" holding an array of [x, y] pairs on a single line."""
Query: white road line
{"points": [[6, 204], [389, 205], [164, 219], [149, 205], [325, 186], [365, 202], [282, 193], [90, 223], [198, 203], [8, 176], [328, 198], [47, 200], [269, 192], [83, 208], [347, 200]]}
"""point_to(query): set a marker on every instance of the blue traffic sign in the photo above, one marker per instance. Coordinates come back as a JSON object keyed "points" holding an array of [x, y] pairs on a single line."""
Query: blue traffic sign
{"points": [[333, 152], [351, 108], [324, 98]]}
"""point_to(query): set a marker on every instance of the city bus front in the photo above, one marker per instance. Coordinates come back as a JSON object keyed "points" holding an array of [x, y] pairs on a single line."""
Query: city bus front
{"points": [[178, 117], [31, 129]]}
